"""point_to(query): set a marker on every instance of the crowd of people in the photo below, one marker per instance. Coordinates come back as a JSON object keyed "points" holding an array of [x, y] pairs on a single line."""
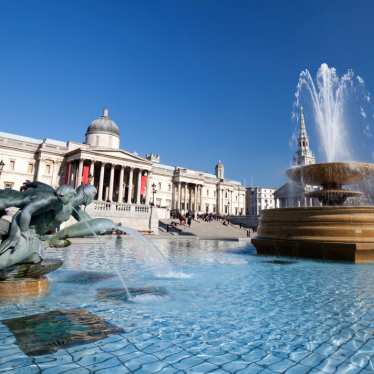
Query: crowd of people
{"points": [[209, 217], [186, 220]]}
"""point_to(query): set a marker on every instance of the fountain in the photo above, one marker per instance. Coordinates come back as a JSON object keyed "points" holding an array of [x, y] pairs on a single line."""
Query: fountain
{"points": [[41, 211], [334, 230]]}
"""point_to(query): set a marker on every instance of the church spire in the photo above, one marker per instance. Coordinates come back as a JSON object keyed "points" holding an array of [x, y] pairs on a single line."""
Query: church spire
{"points": [[302, 120], [303, 155]]}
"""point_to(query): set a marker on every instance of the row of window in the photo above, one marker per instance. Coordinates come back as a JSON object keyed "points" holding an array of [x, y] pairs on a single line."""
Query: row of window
{"points": [[12, 166], [207, 191], [30, 167]]}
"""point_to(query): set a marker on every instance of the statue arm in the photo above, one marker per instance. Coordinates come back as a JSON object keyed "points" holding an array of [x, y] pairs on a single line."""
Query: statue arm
{"points": [[80, 215], [28, 211]]}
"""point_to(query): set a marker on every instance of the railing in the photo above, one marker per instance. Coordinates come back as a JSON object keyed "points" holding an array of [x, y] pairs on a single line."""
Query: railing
{"points": [[103, 208]]}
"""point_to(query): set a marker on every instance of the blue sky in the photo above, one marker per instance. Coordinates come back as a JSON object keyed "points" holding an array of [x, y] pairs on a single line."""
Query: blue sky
{"points": [[195, 81]]}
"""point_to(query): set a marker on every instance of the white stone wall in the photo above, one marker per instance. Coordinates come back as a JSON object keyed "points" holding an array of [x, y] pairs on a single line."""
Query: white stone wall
{"points": [[103, 140], [209, 198], [19, 166], [164, 188], [258, 199]]}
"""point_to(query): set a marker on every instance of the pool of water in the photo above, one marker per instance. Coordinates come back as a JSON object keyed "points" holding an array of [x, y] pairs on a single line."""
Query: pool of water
{"points": [[213, 307]]}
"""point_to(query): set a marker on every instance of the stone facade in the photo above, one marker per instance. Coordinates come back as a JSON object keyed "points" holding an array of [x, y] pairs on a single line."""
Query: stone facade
{"points": [[258, 199], [120, 176]]}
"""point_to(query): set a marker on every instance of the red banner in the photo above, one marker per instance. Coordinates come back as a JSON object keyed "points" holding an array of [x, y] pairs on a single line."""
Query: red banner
{"points": [[143, 185], [86, 173]]}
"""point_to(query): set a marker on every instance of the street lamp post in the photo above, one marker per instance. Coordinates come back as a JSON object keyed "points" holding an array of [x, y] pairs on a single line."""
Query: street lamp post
{"points": [[2, 164], [154, 191]]}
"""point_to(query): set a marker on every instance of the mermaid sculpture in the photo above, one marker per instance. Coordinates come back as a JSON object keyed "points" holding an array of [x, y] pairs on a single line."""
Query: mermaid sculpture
{"points": [[41, 211]]}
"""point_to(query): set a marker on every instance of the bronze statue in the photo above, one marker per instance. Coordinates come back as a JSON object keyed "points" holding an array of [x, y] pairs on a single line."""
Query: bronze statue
{"points": [[42, 210]]}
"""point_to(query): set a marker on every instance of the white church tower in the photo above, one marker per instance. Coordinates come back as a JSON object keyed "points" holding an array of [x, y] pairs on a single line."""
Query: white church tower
{"points": [[303, 155]]}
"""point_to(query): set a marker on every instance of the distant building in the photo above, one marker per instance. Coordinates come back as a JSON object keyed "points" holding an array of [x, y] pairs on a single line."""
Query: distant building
{"points": [[258, 199], [292, 194], [125, 181]]}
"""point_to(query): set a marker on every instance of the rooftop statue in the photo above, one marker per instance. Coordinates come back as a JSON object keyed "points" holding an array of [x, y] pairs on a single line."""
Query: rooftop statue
{"points": [[42, 210]]}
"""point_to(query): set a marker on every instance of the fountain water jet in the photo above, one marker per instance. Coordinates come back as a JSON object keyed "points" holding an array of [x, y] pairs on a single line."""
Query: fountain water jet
{"points": [[337, 103], [116, 270], [332, 231]]}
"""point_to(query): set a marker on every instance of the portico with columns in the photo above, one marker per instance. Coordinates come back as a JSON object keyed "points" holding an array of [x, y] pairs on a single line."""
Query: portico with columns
{"points": [[187, 196], [119, 179]]}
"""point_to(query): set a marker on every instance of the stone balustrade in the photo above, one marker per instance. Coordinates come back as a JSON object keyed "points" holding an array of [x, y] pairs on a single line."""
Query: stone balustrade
{"points": [[120, 210]]}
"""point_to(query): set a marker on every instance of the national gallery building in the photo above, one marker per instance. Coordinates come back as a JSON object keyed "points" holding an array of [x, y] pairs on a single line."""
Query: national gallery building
{"points": [[121, 177]]}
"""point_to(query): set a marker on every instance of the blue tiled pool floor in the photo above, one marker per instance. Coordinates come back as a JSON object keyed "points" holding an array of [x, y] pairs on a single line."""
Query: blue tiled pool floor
{"points": [[221, 310]]}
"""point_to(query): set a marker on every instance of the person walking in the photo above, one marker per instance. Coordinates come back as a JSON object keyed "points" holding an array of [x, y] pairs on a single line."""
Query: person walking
{"points": [[189, 219]]}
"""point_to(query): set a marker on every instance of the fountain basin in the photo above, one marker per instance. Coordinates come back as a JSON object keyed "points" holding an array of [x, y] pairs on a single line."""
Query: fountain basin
{"points": [[342, 233], [331, 173]]}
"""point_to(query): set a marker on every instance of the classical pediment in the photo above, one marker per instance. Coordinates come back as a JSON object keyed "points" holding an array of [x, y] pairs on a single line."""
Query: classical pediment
{"points": [[125, 155], [109, 155]]}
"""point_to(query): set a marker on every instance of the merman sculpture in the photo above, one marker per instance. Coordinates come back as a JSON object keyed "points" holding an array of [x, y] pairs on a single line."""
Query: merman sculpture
{"points": [[332, 231], [41, 211]]}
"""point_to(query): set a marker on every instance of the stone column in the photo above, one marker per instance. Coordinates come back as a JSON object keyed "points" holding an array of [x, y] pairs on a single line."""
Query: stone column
{"points": [[201, 198], [92, 171], [195, 199], [129, 195], [148, 192], [80, 172], [218, 201], [174, 196], [179, 196], [138, 187], [72, 174], [120, 192], [185, 197], [111, 183], [101, 182], [39, 170]]}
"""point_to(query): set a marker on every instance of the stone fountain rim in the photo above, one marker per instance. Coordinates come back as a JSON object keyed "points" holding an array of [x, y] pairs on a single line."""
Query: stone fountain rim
{"points": [[325, 207], [351, 174]]}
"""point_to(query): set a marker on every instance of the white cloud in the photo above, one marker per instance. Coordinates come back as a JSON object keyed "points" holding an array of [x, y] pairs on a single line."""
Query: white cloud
{"points": [[360, 80]]}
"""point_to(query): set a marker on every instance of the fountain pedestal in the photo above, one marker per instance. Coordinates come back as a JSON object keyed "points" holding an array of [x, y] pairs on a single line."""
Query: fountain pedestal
{"points": [[26, 279], [332, 231], [18, 288]]}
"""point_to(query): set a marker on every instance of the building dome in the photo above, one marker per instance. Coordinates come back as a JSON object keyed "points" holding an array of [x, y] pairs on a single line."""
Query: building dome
{"points": [[103, 132], [103, 124]]}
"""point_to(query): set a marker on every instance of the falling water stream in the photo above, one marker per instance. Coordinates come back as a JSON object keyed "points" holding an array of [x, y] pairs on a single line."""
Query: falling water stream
{"points": [[104, 250], [153, 257]]}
